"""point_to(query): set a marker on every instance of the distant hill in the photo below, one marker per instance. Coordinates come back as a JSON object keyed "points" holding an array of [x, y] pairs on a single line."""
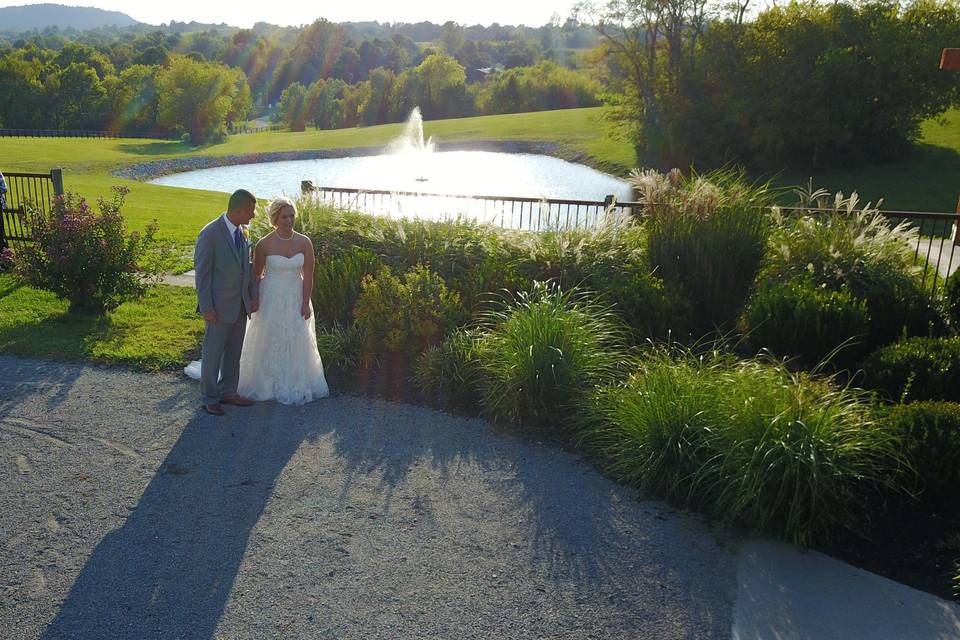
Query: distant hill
{"points": [[41, 16]]}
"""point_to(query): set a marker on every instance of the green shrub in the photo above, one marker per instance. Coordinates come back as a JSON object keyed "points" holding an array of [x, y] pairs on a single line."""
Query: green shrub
{"points": [[404, 316], [747, 442], [861, 251], [88, 258], [916, 369], [451, 370], [541, 351], [471, 258], [930, 432], [337, 285], [951, 297], [799, 319]]}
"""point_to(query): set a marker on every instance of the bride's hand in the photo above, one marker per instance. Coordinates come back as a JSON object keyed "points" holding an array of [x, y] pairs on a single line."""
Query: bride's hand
{"points": [[305, 310]]}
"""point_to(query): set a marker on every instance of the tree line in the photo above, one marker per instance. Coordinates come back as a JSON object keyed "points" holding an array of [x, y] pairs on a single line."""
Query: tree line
{"points": [[127, 81]]}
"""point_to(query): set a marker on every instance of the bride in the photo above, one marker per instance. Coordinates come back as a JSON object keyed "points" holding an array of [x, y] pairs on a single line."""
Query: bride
{"points": [[279, 360]]}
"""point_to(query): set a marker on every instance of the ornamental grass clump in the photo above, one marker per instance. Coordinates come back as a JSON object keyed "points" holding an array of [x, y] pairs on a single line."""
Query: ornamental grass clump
{"points": [[748, 442], [541, 351], [707, 235], [88, 258]]}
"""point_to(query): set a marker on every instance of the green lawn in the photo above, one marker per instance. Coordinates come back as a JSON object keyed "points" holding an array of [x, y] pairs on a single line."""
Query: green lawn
{"points": [[928, 179], [162, 331]]}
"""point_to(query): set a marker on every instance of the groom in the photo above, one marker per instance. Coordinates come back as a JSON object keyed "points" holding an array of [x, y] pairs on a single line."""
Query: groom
{"points": [[225, 298]]}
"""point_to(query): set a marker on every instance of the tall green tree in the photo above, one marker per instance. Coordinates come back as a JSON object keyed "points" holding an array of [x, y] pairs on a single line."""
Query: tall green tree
{"points": [[293, 107], [199, 98], [21, 92], [82, 97]]}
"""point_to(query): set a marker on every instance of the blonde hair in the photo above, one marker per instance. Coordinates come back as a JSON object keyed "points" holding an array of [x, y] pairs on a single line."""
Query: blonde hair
{"points": [[277, 206]]}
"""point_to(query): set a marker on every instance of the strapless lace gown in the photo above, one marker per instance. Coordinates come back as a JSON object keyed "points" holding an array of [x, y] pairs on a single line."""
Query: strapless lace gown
{"points": [[280, 359]]}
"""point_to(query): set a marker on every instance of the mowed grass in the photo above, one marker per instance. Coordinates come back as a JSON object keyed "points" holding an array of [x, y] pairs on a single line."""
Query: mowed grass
{"points": [[928, 179], [162, 331]]}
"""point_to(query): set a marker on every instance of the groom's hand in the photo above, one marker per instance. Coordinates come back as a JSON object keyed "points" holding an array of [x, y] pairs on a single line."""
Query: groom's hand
{"points": [[254, 305], [210, 316]]}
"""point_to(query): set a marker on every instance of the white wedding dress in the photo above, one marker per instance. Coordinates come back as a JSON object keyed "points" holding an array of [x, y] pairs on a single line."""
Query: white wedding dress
{"points": [[279, 360]]}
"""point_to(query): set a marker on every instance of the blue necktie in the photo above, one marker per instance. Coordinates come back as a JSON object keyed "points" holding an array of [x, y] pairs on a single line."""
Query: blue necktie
{"points": [[238, 239]]}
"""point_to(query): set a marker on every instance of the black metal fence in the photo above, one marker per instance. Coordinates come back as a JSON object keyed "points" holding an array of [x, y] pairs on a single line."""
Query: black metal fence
{"points": [[271, 127], [26, 193], [81, 133], [936, 252], [526, 214]]}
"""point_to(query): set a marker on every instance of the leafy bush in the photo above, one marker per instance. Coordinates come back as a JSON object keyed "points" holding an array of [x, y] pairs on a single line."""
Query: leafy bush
{"points": [[799, 319], [745, 441], [88, 258], [543, 349], [471, 258], [930, 432], [404, 316], [858, 250], [706, 234], [916, 369], [452, 369], [951, 297], [6, 258], [337, 285]]}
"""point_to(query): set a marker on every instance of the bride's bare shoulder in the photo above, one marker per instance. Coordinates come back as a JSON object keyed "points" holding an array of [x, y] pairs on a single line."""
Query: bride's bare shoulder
{"points": [[304, 241]]}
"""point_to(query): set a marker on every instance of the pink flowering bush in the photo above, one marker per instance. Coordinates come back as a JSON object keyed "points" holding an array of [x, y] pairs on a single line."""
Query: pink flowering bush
{"points": [[87, 257], [6, 258]]}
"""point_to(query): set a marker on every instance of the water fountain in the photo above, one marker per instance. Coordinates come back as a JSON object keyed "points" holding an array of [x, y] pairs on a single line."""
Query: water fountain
{"points": [[413, 151]]}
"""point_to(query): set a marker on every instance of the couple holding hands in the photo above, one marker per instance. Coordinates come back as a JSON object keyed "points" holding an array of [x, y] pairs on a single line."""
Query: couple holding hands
{"points": [[273, 356]]}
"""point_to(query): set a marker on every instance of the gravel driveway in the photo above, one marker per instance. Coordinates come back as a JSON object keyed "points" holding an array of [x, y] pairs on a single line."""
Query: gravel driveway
{"points": [[128, 514]]}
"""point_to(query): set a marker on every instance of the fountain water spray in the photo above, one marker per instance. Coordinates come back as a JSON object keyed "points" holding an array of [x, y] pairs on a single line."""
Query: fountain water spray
{"points": [[411, 144]]}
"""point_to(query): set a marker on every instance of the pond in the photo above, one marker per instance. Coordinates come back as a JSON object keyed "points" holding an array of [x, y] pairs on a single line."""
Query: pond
{"points": [[447, 172], [455, 173]]}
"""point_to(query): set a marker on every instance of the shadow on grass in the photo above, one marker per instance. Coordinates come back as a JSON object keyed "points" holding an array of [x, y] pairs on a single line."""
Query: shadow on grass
{"points": [[155, 148], [924, 180], [8, 287], [61, 337]]}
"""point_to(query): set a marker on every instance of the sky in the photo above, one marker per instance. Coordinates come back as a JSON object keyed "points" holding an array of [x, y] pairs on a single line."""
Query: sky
{"points": [[296, 12]]}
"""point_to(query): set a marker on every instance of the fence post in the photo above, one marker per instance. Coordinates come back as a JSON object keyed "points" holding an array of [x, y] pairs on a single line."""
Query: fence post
{"points": [[956, 226], [56, 176]]}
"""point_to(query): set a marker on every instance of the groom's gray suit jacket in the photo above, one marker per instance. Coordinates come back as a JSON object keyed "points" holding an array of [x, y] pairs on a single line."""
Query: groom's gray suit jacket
{"points": [[223, 274]]}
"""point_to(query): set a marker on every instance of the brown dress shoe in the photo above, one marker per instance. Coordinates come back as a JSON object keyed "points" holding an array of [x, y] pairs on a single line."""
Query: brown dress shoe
{"points": [[237, 401], [214, 409]]}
